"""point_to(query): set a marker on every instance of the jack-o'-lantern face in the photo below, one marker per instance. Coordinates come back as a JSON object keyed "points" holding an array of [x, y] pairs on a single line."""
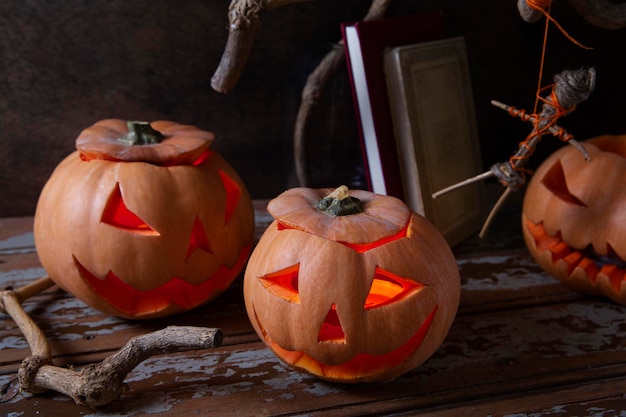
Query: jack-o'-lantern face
{"points": [[361, 297], [138, 239], [574, 217]]}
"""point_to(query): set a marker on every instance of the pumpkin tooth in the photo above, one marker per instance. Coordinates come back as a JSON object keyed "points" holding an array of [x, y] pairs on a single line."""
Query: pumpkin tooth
{"points": [[543, 240], [615, 276], [572, 260], [560, 250], [590, 267]]}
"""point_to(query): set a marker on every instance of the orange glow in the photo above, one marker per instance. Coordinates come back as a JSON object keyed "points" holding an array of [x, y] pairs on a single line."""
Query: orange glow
{"points": [[388, 288], [572, 257], [198, 239], [118, 215], [364, 247], [359, 247], [283, 283], [362, 365], [283, 226], [233, 195], [135, 303], [331, 330], [202, 158]]}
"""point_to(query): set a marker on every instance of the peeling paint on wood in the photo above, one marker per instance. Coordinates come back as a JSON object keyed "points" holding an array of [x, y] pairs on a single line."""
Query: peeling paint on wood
{"points": [[519, 333], [23, 243]]}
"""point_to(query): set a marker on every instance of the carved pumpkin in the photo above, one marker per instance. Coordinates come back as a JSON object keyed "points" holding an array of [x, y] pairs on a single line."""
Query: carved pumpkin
{"points": [[357, 288], [144, 221], [574, 217]]}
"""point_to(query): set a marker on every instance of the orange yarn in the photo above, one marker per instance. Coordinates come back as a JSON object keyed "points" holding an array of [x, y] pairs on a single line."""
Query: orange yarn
{"points": [[539, 4], [543, 6], [541, 126]]}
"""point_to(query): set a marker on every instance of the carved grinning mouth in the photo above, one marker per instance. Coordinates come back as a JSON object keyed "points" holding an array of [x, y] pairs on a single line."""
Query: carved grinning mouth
{"points": [[587, 259], [135, 303], [361, 366]]}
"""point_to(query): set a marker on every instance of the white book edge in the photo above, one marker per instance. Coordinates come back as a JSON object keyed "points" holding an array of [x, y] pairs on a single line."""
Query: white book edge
{"points": [[365, 110]]}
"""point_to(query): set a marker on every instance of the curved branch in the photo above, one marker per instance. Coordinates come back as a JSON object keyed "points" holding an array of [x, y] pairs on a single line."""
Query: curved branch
{"points": [[602, 13], [98, 384], [244, 22], [310, 96], [312, 92]]}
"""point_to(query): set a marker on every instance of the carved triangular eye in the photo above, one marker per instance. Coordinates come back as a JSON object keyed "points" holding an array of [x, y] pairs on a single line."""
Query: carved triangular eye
{"points": [[233, 195], [198, 239], [283, 283], [118, 215], [554, 180], [388, 288]]}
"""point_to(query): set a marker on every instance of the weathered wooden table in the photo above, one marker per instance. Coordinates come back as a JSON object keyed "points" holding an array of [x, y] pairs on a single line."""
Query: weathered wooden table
{"points": [[522, 345]]}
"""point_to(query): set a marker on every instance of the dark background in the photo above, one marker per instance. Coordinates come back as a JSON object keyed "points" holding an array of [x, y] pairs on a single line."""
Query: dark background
{"points": [[65, 65]]}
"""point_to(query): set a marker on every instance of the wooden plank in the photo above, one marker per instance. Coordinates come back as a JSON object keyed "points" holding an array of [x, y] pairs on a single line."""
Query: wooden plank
{"points": [[599, 399], [511, 353], [519, 335], [505, 279], [490, 282], [11, 227]]}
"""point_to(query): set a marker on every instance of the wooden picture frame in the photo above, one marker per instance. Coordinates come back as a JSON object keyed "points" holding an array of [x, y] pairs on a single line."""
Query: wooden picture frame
{"points": [[432, 108]]}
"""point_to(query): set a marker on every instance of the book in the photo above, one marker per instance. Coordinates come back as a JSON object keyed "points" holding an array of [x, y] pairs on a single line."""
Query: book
{"points": [[365, 43], [432, 107]]}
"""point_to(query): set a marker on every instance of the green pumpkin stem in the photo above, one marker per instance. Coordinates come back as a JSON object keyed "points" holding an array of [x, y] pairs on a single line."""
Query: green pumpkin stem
{"points": [[340, 203], [141, 133]]}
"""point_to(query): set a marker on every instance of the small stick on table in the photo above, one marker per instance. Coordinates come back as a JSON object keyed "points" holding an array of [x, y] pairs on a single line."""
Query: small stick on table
{"points": [[97, 384]]}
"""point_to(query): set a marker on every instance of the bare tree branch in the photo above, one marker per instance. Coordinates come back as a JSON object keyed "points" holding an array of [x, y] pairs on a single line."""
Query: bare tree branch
{"points": [[244, 22], [601, 13], [96, 384]]}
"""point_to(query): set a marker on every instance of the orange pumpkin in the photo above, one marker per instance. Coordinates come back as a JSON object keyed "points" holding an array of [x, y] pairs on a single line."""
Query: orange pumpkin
{"points": [[353, 288], [144, 220], [574, 217]]}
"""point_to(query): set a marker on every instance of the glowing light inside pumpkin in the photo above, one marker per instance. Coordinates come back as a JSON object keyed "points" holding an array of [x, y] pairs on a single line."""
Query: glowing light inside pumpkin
{"points": [[283, 283], [361, 365], [555, 181], [202, 158], [134, 302], [118, 215], [331, 330], [358, 247], [388, 288], [198, 239], [233, 195], [592, 263]]}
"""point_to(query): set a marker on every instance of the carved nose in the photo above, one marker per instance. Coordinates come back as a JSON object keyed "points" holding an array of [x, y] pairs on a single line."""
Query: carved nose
{"points": [[331, 330]]}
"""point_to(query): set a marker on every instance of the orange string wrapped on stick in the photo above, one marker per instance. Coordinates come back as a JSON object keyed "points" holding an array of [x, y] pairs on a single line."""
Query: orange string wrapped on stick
{"points": [[570, 88]]}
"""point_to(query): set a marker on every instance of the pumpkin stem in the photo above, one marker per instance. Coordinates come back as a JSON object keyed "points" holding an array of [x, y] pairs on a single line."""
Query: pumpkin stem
{"points": [[340, 203], [141, 133]]}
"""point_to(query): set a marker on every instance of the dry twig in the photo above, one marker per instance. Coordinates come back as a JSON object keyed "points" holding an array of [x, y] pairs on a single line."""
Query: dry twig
{"points": [[97, 384], [571, 87], [244, 22], [602, 13]]}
